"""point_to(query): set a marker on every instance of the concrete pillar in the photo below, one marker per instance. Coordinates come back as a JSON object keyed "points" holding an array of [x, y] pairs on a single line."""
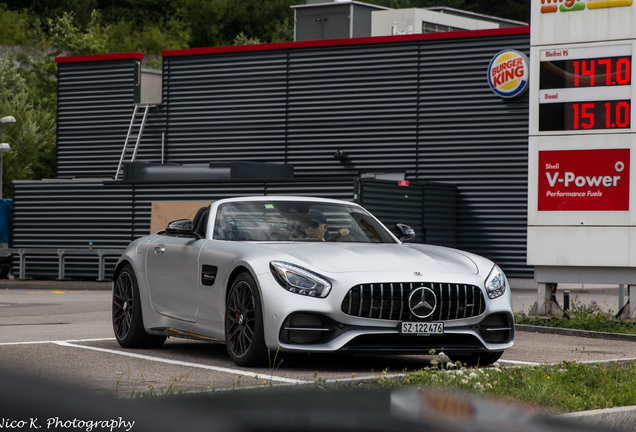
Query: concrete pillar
{"points": [[628, 312], [546, 304]]}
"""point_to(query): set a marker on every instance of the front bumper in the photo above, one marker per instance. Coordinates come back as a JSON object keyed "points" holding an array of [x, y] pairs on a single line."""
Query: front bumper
{"points": [[312, 332], [362, 315]]}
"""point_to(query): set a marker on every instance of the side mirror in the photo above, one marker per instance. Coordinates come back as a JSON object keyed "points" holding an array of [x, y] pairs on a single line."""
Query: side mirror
{"points": [[181, 228], [404, 232]]}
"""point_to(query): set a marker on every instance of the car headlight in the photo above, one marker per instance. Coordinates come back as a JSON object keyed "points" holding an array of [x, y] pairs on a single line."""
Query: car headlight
{"points": [[495, 283], [299, 280]]}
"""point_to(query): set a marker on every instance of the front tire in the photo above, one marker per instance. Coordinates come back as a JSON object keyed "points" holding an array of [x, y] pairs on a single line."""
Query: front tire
{"points": [[244, 334], [127, 318]]}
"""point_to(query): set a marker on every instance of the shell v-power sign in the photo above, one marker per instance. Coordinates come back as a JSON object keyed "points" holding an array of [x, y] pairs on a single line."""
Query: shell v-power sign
{"points": [[581, 203]]}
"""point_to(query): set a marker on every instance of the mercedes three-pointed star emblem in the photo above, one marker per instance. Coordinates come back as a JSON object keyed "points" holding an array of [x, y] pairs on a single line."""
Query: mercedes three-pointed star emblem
{"points": [[422, 302]]}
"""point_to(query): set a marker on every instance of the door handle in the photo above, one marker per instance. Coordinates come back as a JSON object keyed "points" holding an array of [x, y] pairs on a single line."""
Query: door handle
{"points": [[160, 249]]}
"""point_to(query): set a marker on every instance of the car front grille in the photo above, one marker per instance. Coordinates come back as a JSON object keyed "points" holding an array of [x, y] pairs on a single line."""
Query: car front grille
{"points": [[390, 301]]}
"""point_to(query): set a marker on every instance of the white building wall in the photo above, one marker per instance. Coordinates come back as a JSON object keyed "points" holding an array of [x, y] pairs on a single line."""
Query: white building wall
{"points": [[409, 21]]}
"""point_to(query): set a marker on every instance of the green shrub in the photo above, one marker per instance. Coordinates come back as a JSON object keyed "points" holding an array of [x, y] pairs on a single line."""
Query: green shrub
{"points": [[592, 317]]}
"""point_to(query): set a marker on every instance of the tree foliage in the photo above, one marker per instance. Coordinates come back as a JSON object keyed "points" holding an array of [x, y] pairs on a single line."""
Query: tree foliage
{"points": [[71, 40], [32, 137], [149, 26], [13, 26]]}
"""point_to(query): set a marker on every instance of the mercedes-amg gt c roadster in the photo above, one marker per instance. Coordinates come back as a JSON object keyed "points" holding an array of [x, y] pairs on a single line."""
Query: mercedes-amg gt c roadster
{"points": [[294, 274]]}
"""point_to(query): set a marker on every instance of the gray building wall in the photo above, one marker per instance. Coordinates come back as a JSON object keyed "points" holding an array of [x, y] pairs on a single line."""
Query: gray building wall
{"points": [[72, 214], [332, 21], [418, 105], [96, 96]]}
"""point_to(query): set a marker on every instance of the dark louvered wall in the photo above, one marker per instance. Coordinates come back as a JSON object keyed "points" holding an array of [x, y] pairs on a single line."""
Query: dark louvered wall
{"points": [[358, 99], [297, 106], [422, 107], [94, 109], [68, 214], [418, 105], [430, 209], [226, 107], [471, 138]]}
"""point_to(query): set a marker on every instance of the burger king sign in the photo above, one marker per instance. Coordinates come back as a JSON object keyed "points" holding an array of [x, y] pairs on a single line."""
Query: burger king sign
{"points": [[508, 74]]}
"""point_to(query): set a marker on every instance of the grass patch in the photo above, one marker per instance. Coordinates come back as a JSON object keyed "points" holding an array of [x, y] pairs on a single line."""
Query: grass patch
{"points": [[566, 387], [592, 317]]}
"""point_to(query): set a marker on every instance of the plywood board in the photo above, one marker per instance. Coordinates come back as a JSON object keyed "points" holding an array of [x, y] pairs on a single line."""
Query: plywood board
{"points": [[164, 212]]}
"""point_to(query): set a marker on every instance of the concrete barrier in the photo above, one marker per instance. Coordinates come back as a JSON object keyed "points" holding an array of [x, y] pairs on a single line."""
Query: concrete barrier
{"points": [[611, 419]]}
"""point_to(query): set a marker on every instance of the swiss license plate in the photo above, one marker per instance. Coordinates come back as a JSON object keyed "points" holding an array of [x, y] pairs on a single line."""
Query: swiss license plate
{"points": [[422, 328]]}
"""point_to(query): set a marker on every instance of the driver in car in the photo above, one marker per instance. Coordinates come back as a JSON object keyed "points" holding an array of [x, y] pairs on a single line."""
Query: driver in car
{"points": [[316, 227]]}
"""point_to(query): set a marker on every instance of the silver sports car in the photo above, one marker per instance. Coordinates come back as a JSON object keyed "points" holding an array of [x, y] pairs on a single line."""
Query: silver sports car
{"points": [[268, 274]]}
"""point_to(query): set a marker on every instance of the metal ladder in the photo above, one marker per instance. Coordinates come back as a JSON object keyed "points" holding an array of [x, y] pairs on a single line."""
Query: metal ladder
{"points": [[133, 124]]}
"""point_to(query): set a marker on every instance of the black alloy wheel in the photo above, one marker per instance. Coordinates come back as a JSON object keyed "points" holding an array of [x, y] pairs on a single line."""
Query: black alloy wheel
{"points": [[127, 320], [244, 334]]}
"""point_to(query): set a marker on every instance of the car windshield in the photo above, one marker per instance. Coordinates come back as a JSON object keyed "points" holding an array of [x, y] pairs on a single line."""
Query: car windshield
{"points": [[297, 221]]}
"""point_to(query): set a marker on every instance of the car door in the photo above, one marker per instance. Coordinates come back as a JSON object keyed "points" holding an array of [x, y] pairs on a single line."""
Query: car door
{"points": [[172, 265]]}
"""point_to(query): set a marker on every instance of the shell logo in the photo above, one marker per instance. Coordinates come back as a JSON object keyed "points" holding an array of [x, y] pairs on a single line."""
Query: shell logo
{"points": [[508, 74]]}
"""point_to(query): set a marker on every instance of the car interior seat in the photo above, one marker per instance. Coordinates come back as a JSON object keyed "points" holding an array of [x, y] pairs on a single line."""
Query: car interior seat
{"points": [[200, 221]]}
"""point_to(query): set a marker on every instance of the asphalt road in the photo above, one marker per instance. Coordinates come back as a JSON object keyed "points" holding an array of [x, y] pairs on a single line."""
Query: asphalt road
{"points": [[54, 332]]}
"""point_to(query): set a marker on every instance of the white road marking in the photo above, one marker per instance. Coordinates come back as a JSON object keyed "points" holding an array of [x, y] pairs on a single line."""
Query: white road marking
{"points": [[73, 343], [46, 342], [181, 363]]}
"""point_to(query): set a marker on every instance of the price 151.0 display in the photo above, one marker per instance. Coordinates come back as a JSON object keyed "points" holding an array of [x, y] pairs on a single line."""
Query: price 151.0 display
{"points": [[614, 114]]}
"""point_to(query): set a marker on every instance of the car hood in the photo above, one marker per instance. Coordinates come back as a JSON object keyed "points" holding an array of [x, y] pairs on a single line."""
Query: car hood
{"points": [[356, 257]]}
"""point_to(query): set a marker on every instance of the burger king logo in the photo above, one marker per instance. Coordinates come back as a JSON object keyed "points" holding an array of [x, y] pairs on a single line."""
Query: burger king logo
{"points": [[508, 74]]}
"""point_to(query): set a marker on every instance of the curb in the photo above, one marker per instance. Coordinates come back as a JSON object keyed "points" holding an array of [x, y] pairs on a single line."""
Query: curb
{"points": [[574, 332], [610, 419]]}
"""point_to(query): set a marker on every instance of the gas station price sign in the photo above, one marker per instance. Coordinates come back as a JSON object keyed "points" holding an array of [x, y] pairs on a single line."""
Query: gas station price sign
{"points": [[585, 88]]}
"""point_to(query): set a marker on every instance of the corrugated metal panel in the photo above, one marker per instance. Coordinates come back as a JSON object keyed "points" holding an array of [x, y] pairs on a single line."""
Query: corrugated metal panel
{"points": [[428, 208], [95, 105], [394, 204], [70, 214], [226, 107], [358, 99], [477, 141], [343, 188], [420, 107], [440, 214]]}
